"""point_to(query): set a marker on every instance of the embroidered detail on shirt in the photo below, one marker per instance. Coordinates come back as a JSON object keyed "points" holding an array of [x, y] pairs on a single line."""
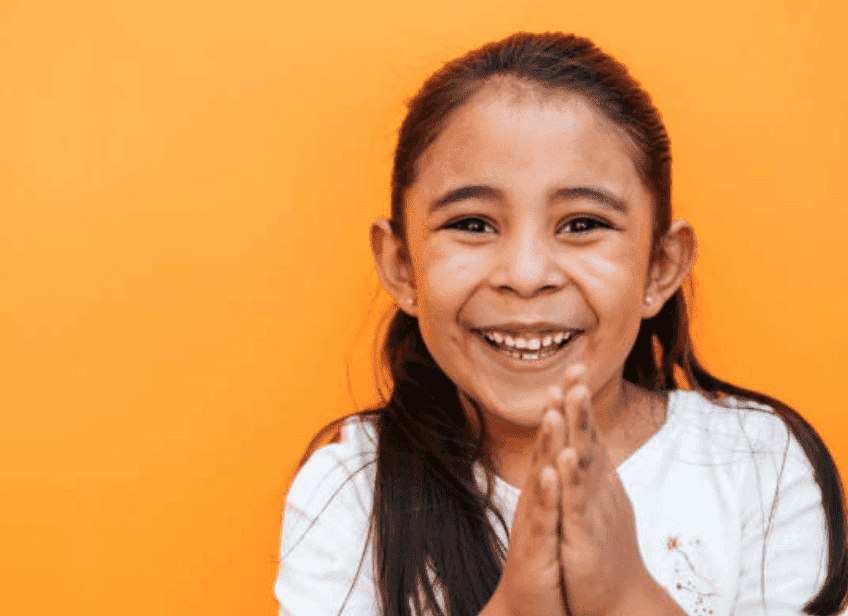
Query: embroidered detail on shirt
{"points": [[693, 589]]}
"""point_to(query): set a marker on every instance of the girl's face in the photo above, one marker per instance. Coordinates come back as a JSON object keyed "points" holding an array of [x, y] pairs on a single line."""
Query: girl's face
{"points": [[528, 235]]}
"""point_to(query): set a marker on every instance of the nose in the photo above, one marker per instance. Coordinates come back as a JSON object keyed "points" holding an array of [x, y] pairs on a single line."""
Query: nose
{"points": [[527, 265]]}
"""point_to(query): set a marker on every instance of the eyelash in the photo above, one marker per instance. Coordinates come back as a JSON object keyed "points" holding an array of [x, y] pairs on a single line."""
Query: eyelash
{"points": [[593, 221], [457, 224]]}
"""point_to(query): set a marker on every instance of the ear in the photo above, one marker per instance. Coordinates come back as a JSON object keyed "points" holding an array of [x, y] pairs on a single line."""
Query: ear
{"points": [[670, 267], [393, 266]]}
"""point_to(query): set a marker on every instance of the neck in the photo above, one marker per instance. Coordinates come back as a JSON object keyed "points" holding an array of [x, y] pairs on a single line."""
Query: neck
{"points": [[626, 416]]}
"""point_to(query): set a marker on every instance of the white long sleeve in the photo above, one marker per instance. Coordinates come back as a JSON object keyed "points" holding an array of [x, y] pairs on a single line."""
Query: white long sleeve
{"points": [[325, 530], [702, 490], [791, 570]]}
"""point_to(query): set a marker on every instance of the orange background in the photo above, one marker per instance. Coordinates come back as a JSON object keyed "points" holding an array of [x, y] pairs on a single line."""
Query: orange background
{"points": [[186, 191]]}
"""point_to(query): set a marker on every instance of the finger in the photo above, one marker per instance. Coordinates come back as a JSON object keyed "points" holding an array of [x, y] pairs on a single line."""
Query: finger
{"points": [[573, 497], [571, 377], [537, 497], [548, 442], [544, 517], [556, 397], [593, 460], [554, 436], [548, 500], [579, 410], [555, 416], [540, 444], [573, 511], [574, 374]]}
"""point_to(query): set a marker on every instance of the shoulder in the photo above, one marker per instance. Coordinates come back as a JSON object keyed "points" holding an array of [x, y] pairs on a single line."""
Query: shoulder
{"points": [[745, 446], [324, 543], [732, 423], [747, 490], [343, 469], [746, 440]]}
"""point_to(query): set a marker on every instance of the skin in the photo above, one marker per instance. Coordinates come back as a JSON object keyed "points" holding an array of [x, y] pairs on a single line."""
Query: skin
{"points": [[523, 250]]}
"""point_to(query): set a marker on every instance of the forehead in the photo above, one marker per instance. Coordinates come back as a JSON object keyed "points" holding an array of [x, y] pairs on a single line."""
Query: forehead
{"points": [[512, 132]]}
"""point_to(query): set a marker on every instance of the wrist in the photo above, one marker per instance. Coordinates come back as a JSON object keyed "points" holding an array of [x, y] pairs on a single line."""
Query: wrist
{"points": [[645, 597], [496, 605]]}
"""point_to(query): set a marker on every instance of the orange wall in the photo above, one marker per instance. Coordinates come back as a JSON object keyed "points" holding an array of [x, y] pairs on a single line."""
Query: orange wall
{"points": [[186, 190]]}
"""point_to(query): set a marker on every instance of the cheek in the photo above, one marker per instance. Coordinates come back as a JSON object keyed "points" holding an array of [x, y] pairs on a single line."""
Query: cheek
{"points": [[447, 279], [613, 281], [449, 274]]}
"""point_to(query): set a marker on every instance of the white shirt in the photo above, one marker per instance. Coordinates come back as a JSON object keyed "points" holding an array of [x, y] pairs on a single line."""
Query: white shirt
{"points": [[701, 488]]}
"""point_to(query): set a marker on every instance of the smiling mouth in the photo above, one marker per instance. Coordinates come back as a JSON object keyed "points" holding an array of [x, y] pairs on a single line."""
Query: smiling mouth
{"points": [[524, 347]]}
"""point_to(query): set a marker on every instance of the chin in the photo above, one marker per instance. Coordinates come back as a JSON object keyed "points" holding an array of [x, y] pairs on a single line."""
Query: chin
{"points": [[523, 408]]}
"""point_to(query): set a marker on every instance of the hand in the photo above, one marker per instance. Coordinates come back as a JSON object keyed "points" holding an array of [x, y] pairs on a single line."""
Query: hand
{"points": [[531, 582], [601, 566]]}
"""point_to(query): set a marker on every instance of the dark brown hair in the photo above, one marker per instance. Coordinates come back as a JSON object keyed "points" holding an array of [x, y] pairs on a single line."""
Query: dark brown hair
{"points": [[429, 513]]}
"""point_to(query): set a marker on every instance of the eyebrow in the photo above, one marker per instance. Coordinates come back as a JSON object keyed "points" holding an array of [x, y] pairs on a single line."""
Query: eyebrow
{"points": [[488, 193]]}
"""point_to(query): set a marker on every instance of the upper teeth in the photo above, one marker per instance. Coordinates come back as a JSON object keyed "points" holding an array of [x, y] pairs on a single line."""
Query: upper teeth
{"points": [[533, 344]]}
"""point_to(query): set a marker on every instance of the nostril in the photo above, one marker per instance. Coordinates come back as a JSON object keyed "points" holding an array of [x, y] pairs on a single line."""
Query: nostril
{"points": [[528, 291], [528, 275]]}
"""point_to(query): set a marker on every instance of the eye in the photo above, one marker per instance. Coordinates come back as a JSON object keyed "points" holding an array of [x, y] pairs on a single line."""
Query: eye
{"points": [[471, 225], [584, 224]]}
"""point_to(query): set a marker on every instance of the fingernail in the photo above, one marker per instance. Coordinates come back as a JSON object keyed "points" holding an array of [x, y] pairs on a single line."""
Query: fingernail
{"points": [[578, 394], [577, 371], [567, 458]]}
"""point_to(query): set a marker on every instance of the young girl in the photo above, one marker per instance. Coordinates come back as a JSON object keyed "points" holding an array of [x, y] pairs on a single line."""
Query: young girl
{"points": [[550, 445]]}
